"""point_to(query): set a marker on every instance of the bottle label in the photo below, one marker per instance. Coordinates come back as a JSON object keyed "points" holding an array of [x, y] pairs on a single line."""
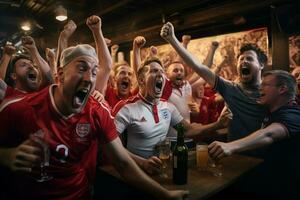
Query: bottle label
{"points": [[175, 162]]}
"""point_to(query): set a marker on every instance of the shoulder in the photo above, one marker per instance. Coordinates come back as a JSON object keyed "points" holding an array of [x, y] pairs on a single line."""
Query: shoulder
{"points": [[95, 106], [122, 103]]}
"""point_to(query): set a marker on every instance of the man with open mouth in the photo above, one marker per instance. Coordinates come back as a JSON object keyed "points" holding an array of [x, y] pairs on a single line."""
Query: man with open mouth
{"points": [[22, 77], [123, 75], [241, 97], [147, 117], [276, 142], [73, 124]]}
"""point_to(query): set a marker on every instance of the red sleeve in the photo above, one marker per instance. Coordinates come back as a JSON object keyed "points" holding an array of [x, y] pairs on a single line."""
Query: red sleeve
{"points": [[106, 129]]}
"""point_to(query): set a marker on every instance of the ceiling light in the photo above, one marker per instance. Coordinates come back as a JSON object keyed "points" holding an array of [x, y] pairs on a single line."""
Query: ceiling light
{"points": [[61, 13], [25, 27]]}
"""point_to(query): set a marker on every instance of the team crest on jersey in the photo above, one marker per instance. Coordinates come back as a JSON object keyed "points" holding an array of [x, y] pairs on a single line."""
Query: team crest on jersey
{"points": [[83, 129], [165, 113]]}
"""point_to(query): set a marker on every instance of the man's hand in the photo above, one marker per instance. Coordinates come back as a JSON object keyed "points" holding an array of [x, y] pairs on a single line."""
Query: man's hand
{"points": [[153, 51], [114, 49], [194, 107], [9, 49], [69, 29], [25, 157], [28, 43], [50, 55], [167, 32], [98, 96], [214, 44], [152, 165], [218, 150], [94, 23], [139, 42], [178, 194], [186, 40]]}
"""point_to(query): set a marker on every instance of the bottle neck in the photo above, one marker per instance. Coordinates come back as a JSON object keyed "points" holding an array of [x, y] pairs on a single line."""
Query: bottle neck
{"points": [[180, 140]]}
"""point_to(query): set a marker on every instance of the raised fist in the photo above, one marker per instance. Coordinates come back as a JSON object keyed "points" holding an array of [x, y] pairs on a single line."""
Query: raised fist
{"points": [[215, 44], [167, 32], [9, 49], [114, 49], [139, 42], [153, 51], [50, 55], [94, 22], [186, 39], [28, 43], [69, 28]]}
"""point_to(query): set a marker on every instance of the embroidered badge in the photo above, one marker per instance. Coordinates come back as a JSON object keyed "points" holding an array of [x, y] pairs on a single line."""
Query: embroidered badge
{"points": [[165, 113], [82, 129]]}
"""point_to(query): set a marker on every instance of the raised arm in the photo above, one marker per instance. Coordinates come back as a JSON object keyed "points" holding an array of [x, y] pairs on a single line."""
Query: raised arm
{"points": [[114, 50], [105, 60], [138, 43], [29, 44], [258, 139], [63, 39], [208, 61], [50, 56], [167, 32], [133, 175], [8, 51]]}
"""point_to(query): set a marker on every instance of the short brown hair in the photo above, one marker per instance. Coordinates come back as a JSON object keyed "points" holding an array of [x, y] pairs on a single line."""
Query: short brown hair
{"points": [[118, 65], [284, 78], [261, 56], [146, 62]]}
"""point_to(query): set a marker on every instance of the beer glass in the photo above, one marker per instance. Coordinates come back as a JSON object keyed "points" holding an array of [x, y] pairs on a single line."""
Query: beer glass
{"points": [[40, 138], [202, 156], [164, 156]]}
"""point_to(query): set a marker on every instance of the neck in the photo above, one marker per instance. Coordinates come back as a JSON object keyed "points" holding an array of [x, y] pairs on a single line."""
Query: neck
{"points": [[59, 100], [148, 98], [278, 103]]}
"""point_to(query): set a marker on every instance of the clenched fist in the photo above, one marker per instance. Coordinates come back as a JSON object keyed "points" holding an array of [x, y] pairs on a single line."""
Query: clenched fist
{"points": [[153, 51], [9, 49], [28, 43], [167, 32], [69, 28], [139, 42], [94, 23], [114, 49]]}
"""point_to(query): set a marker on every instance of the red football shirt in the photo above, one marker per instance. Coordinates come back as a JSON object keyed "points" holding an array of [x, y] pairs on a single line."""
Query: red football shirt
{"points": [[72, 142], [12, 93], [112, 98]]}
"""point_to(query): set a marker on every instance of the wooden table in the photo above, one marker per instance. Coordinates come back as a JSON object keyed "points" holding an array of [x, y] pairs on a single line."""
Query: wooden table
{"points": [[203, 184]]}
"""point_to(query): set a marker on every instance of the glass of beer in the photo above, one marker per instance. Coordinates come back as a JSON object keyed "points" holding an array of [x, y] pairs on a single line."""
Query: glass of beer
{"points": [[39, 137], [164, 155], [202, 156]]}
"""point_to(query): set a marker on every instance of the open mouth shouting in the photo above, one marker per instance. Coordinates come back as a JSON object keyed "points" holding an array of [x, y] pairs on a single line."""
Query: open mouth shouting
{"points": [[245, 72], [32, 76], [125, 84], [159, 85], [80, 97]]}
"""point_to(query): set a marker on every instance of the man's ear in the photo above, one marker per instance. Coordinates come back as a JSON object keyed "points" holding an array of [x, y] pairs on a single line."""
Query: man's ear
{"points": [[60, 75], [13, 76], [283, 89], [141, 80]]}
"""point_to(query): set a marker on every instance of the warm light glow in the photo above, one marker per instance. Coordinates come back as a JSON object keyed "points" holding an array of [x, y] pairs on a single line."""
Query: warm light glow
{"points": [[61, 17], [61, 14], [25, 27]]}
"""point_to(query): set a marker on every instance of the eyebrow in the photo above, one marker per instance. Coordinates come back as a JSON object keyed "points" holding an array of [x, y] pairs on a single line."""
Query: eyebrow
{"points": [[85, 62]]}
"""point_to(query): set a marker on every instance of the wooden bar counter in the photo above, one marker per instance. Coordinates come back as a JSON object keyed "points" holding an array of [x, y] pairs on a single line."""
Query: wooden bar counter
{"points": [[203, 184]]}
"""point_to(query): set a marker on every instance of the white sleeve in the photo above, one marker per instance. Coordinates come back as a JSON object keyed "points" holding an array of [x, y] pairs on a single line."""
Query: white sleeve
{"points": [[175, 115], [122, 119]]}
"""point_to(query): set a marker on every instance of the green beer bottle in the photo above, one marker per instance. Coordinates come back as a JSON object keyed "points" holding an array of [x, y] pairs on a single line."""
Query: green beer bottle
{"points": [[180, 158]]}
